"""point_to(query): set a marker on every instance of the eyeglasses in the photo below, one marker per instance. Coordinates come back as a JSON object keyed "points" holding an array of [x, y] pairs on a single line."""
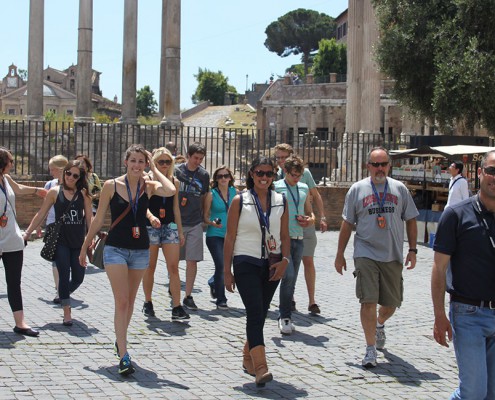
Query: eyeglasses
{"points": [[75, 176], [295, 176], [260, 174], [489, 171], [223, 176], [379, 164], [164, 162]]}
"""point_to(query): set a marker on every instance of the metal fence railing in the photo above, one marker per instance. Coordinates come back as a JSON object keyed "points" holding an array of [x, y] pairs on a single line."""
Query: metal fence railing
{"points": [[333, 158]]}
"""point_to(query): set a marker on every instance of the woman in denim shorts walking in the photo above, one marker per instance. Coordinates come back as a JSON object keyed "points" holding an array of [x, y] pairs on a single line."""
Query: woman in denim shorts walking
{"points": [[165, 231], [126, 254]]}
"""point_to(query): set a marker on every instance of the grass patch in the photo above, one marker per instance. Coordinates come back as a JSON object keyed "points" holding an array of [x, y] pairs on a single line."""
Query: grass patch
{"points": [[242, 117]]}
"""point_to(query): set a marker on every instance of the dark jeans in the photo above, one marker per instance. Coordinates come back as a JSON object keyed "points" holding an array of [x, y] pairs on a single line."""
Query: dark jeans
{"points": [[256, 293], [12, 264], [67, 261], [215, 246]]}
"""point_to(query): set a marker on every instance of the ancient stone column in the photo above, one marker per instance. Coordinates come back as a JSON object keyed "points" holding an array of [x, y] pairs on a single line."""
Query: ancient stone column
{"points": [[370, 98], [84, 62], [170, 62], [129, 66], [386, 123], [312, 121], [279, 126], [34, 107], [354, 65]]}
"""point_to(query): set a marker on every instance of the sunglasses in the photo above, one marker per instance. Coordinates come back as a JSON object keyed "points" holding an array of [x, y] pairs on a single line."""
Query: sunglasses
{"points": [[489, 171], [164, 162], [75, 176], [379, 164], [260, 174], [223, 176]]}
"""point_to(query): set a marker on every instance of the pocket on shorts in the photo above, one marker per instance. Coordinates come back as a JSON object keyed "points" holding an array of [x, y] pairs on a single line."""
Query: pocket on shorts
{"points": [[359, 289]]}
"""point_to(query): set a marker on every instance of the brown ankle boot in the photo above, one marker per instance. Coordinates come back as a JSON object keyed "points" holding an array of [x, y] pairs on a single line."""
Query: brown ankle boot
{"points": [[247, 362], [260, 368]]}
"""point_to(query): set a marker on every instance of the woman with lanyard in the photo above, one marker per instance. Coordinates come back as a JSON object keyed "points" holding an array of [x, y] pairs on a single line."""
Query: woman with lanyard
{"points": [[217, 204], [165, 231], [258, 226], [126, 253], [72, 203], [11, 241]]}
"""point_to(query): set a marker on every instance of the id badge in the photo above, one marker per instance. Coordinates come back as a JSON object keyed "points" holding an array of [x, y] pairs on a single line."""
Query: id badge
{"points": [[3, 221], [381, 222], [183, 202], [135, 232], [271, 243], [162, 213]]}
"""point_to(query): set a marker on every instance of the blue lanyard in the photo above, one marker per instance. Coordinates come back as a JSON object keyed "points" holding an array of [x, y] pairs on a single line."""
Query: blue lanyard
{"points": [[134, 205], [191, 180], [4, 190], [264, 220], [226, 202], [296, 202], [381, 202]]}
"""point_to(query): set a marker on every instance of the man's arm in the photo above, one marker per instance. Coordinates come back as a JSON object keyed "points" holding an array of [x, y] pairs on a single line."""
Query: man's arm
{"points": [[412, 237], [319, 205], [438, 276], [344, 236]]}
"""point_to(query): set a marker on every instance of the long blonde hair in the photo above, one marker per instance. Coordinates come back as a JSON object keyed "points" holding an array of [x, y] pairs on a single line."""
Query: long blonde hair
{"points": [[157, 153]]}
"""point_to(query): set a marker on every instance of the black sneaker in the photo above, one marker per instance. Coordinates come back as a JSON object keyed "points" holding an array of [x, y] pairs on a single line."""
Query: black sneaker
{"points": [[189, 303], [179, 313], [148, 309], [125, 365], [56, 300]]}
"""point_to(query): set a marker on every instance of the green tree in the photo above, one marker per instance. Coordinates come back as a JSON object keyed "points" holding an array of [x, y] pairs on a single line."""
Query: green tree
{"points": [[212, 86], [298, 32], [442, 56], [146, 104], [331, 57]]}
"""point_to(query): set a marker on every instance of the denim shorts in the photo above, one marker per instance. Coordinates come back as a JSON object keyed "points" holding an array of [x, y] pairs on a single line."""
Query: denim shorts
{"points": [[166, 234], [134, 259]]}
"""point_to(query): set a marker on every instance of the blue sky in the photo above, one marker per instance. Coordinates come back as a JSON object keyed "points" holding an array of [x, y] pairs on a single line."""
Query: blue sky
{"points": [[219, 35]]}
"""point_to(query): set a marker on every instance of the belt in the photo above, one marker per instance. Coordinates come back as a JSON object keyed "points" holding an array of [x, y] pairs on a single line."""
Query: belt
{"points": [[297, 237], [479, 303]]}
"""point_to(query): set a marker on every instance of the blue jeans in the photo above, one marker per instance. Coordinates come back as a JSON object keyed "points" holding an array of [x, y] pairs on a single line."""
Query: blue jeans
{"points": [[474, 343], [256, 293], [215, 246], [288, 284], [70, 272]]}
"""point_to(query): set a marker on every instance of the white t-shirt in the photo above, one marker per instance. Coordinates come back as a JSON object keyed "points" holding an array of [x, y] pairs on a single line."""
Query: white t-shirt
{"points": [[458, 190]]}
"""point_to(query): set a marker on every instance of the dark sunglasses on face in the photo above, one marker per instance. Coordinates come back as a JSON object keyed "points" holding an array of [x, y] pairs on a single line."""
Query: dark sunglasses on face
{"points": [[489, 171], [260, 174], [379, 164], [164, 162], [224, 176], [75, 176]]}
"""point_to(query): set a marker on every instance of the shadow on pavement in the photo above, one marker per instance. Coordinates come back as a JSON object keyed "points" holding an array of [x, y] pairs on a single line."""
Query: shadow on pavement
{"points": [[9, 338], [296, 336], [78, 329], [272, 390], [142, 377], [167, 327]]}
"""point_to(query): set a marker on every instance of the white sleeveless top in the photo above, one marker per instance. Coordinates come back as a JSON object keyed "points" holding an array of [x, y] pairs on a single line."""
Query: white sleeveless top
{"points": [[10, 235], [248, 239]]}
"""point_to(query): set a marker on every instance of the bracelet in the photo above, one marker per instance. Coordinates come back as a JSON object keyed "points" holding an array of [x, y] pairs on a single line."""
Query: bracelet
{"points": [[415, 251], [324, 219], [287, 259]]}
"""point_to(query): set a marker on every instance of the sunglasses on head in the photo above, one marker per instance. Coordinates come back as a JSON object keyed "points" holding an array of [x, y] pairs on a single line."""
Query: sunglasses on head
{"points": [[164, 162], [75, 176], [224, 176], [260, 174], [379, 164], [489, 171]]}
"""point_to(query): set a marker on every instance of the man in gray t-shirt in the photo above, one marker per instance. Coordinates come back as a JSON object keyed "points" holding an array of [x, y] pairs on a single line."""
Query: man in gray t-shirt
{"points": [[378, 206]]}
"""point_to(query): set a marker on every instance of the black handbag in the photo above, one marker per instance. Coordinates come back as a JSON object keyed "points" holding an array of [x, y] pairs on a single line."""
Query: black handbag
{"points": [[52, 232]]}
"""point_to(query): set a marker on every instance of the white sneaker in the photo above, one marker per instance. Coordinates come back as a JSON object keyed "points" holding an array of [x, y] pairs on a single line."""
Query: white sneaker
{"points": [[286, 326], [369, 360]]}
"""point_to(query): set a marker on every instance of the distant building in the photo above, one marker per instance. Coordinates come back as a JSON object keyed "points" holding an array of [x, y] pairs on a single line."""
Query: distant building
{"points": [[59, 93]]}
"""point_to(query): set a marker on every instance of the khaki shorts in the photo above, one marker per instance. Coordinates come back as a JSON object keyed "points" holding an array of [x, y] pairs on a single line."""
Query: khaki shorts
{"points": [[379, 282], [193, 247], [309, 239]]}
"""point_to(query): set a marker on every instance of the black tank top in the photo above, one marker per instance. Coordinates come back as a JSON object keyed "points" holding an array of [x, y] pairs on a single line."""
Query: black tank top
{"points": [[166, 203], [121, 234], [74, 225]]}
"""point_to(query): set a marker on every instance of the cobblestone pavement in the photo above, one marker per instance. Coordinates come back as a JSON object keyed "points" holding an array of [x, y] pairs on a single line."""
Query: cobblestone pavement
{"points": [[202, 359]]}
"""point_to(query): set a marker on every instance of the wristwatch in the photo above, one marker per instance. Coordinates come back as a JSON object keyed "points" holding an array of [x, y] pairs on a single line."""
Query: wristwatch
{"points": [[415, 251]]}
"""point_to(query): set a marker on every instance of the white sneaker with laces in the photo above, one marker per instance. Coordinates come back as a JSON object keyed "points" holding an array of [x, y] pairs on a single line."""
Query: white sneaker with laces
{"points": [[285, 325], [380, 338], [369, 360]]}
